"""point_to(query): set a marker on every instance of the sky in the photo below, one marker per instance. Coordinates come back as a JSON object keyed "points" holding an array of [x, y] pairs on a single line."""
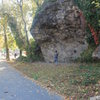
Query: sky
{"points": [[0, 1]]}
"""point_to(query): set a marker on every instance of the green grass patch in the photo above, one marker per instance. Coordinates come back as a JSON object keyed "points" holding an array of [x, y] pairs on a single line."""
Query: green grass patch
{"points": [[35, 76], [86, 75]]}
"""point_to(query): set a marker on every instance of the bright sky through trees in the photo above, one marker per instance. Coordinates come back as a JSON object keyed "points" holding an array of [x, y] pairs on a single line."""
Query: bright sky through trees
{"points": [[0, 1]]}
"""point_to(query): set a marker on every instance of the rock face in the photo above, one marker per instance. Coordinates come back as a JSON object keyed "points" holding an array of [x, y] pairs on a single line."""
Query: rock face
{"points": [[96, 53], [58, 27]]}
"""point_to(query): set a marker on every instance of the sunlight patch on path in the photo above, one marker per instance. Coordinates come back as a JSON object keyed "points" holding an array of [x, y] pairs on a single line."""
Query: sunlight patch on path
{"points": [[2, 68]]}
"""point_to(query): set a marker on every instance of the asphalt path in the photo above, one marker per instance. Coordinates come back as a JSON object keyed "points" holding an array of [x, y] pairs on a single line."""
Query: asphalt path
{"points": [[14, 86]]}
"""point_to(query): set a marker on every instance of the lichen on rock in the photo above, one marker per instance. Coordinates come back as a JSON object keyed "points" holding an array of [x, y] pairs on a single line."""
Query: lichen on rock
{"points": [[58, 27]]}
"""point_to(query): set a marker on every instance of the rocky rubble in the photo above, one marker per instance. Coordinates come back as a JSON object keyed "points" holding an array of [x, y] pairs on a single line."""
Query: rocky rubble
{"points": [[57, 26]]}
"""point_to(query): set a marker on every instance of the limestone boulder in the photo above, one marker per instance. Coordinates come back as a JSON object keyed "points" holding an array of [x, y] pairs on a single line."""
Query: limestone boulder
{"points": [[57, 26]]}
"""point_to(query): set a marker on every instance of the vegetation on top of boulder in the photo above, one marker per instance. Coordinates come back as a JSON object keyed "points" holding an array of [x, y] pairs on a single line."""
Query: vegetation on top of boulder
{"points": [[91, 11]]}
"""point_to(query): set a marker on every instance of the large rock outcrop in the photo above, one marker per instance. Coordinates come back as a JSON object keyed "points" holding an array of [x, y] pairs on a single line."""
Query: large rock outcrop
{"points": [[58, 27]]}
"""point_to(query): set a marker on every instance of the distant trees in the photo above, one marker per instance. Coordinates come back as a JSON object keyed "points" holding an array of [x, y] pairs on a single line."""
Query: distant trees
{"points": [[15, 21]]}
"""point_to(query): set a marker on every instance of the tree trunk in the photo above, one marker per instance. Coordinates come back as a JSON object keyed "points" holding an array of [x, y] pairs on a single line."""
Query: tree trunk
{"points": [[6, 44], [20, 53], [25, 26]]}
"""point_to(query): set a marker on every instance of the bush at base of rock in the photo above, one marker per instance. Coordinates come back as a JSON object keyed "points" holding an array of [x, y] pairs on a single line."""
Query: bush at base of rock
{"points": [[34, 53], [86, 56]]}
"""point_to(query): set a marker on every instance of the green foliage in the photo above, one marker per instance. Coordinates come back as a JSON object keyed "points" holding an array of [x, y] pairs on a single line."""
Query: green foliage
{"points": [[91, 11], [34, 53], [86, 75], [86, 56], [11, 42], [16, 32], [1, 41], [89, 38], [89, 78], [22, 59], [35, 76]]}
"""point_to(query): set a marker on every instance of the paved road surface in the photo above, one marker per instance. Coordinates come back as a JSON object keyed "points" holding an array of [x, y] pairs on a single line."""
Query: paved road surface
{"points": [[14, 86]]}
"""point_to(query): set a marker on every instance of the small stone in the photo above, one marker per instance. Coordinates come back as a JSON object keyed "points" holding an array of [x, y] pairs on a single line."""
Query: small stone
{"points": [[5, 92]]}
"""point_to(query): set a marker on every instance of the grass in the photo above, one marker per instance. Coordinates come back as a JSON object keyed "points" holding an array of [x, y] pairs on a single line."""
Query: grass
{"points": [[79, 81]]}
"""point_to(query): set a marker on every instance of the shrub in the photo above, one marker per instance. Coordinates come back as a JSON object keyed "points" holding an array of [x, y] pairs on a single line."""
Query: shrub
{"points": [[22, 59], [34, 54], [86, 56]]}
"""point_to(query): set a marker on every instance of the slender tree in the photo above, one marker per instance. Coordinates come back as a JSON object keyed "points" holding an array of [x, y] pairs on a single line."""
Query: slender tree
{"points": [[6, 42], [4, 20], [20, 3]]}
